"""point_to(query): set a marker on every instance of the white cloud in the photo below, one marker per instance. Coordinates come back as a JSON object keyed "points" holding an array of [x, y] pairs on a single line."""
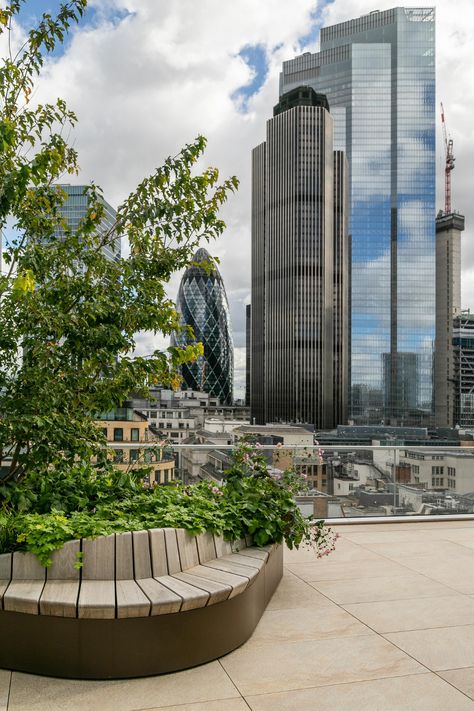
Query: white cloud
{"points": [[147, 85]]}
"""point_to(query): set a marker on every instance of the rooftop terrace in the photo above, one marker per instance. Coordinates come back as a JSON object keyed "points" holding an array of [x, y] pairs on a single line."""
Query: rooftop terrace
{"points": [[385, 623]]}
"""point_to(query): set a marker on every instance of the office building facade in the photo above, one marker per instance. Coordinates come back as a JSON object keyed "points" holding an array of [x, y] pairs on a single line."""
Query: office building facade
{"points": [[378, 72], [299, 267], [74, 209], [202, 304], [463, 371]]}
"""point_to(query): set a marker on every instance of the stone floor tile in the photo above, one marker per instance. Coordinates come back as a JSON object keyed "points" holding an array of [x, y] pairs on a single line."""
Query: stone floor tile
{"points": [[221, 705], [462, 679], [410, 585], [265, 668], [201, 684], [423, 692], [438, 649], [423, 613], [293, 593], [4, 688], [456, 572], [346, 570], [345, 552], [399, 551], [307, 623]]}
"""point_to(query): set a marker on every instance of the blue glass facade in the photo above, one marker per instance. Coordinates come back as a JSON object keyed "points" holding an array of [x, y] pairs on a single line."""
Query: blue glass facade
{"points": [[75, 208], [202, 304], [378, 72]]}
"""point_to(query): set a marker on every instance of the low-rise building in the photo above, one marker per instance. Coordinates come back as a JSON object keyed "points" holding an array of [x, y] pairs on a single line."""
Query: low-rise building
{"points": [[126, 426], [445, 470]]}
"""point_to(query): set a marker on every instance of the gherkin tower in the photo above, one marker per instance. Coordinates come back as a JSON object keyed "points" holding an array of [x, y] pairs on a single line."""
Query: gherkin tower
{"points": [[202, 304]]}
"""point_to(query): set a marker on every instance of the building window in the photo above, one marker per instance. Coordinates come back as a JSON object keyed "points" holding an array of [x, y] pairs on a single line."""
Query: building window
{"points": [[118, 456], [135, 434], [157, 476], [118, 434], [134, 455], [104, 432]]}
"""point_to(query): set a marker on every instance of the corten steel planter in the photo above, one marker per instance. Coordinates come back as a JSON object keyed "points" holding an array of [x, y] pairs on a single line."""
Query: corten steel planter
{"points": [[91, 647]]}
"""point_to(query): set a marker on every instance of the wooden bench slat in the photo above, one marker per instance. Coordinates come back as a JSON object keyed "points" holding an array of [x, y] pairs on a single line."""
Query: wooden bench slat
{"points": [[98, 558], [254, 553], [187, 547], [231, 567], [97, 599], [3, 586], [217, 591], [59, 598], [222, 547], [238, 545], [206, 547], [123, 556], [158, 552], [244, 560], [131, 600], [172, 552], [63, 561], [141, 554], [238, 583], [28, 578], [163, 600], [26, 566], [23, 596], [5, 566], [192, 597]]}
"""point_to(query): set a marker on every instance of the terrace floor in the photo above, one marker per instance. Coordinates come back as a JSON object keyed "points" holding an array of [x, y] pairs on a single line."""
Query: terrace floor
{"points": [[386, 623]]}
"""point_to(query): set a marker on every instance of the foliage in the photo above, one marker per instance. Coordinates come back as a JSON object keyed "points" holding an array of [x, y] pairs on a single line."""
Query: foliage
{"points": [[69, 314], [250, 502]]}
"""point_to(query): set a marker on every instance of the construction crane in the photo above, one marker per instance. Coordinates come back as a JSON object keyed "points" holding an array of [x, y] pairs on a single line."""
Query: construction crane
{"points": [[449, 165]]}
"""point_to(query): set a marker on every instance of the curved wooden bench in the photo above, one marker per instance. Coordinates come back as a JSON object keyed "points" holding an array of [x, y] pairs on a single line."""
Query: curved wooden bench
{"points": [[144, 602]]}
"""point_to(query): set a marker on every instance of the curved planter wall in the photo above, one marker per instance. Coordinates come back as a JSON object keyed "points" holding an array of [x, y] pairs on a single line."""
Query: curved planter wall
{"points": [[145, 603]]}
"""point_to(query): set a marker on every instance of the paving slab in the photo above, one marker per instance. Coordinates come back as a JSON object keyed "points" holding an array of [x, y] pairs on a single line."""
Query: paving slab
{"points": [[424, 613], [438, 649], [423, 692], [258, 668], [408, 586], [201, 684], [4, 689], [306, 623]]}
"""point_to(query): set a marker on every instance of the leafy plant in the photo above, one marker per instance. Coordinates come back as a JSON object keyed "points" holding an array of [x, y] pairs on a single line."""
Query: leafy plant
{"points": [[250, 502], [68, 313]]}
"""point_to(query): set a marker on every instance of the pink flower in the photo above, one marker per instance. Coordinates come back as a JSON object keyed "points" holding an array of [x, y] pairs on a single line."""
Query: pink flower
{"points": [[258, 445]]}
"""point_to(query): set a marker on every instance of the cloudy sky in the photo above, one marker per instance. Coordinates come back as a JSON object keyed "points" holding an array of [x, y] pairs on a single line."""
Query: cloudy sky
{"points": [[147, 76]]}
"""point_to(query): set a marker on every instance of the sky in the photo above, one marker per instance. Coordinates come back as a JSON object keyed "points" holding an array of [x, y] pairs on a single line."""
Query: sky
{"points": [[147, 76]]}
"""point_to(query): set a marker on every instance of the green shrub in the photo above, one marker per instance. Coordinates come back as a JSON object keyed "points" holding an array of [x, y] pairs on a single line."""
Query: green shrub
{"points": [[41, 513]]}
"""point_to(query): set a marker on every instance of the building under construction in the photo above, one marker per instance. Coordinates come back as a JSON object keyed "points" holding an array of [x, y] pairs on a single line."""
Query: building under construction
{"points": [[463, 361], [449, 361]]}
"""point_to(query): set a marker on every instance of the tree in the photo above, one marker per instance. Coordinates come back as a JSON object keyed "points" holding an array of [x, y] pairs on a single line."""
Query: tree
{"points": [[69, 315]]}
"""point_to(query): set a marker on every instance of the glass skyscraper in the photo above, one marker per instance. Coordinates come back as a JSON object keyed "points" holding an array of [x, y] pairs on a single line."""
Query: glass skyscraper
{"points": [[75, 208], [202, 304], [378, 72], [299, 314]]}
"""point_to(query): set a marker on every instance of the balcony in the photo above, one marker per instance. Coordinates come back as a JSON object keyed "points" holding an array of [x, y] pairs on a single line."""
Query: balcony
{"points": [[384, 623]]}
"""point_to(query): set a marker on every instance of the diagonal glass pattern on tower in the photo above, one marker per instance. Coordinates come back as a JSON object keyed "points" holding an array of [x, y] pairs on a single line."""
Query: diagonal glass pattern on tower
{"points": [[202, 304], [378, 72]]}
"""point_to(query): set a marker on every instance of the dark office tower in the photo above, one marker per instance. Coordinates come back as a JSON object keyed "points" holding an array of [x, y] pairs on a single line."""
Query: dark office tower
{"points": [[75, 209], [299, 259], [378, 72], [202, 304], [448, 364], [248, 322]]}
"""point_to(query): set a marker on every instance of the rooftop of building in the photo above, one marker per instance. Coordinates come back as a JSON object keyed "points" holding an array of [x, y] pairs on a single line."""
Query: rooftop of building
{"points": [[274, 429], [385, 622]]}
